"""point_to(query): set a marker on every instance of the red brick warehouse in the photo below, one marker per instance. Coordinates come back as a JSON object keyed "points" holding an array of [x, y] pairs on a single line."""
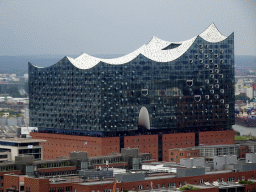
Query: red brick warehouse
{"points": [[58, 145]]}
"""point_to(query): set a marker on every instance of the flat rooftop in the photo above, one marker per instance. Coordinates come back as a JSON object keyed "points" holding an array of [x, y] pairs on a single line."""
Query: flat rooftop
{"points": [[184, 149], [216, 146], [97, 182], [21, 140]]}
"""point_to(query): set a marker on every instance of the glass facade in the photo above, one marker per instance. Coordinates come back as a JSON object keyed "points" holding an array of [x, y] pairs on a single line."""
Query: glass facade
{"points": [[192, 93]]}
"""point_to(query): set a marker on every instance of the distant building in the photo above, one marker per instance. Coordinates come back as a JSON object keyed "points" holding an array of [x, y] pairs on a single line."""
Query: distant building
{"points": [[245, 86]]}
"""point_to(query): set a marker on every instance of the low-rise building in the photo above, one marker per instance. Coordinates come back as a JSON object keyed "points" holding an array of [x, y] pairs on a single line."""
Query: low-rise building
{"points": [[217, 150], [208, 152], [21, 146], [176, 154]]}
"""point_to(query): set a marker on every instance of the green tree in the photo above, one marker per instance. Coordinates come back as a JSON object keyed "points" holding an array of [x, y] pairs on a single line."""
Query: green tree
{"points": [[243, 97], [188, 187]]}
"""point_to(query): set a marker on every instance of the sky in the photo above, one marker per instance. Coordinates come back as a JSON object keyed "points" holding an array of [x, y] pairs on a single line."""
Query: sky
{"points": [[65, 27]]}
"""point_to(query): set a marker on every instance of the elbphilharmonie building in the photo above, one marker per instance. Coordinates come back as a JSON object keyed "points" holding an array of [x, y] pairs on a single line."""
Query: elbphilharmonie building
{"points": [[162, 86]]}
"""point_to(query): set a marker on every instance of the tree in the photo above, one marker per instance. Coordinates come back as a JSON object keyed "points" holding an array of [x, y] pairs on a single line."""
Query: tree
{"points": [[242, 97], [188, 187]]}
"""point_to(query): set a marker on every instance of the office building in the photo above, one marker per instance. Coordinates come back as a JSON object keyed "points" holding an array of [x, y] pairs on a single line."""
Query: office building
{"points": [[12, 147]]}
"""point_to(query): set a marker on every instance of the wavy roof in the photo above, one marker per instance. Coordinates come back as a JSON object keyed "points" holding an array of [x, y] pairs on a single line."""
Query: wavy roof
{"points": [[153, 50]]}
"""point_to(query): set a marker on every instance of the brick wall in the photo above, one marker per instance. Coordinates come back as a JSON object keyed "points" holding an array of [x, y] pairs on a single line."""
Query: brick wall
{"points": [[242, 151], [56, 169], [175, 155], [177, 140], [11, 181], [2, 173], [36, 184], [217, 137], [250, 187], [145, 143], [65, 187], [61, 145]]}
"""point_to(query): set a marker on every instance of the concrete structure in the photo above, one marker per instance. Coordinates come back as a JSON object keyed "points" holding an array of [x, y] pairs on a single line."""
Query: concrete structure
{"points": [[250, 157], [249, 92], [99, 174], [209, 152], [239, 87], [190, 172], [130, 152], [83, 156], [5, 155], [20, 146], [244, 167], [130, 177], [27, 130], [11, 121], [223, 161], [193, 162], [157, 167]]}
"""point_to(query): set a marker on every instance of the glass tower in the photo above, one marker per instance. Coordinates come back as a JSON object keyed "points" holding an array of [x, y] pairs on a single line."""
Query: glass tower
{"points": [[163, 86]]}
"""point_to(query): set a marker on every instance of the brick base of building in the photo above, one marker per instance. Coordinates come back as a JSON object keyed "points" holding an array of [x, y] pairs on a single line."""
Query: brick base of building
{"points": [[217, 137], [58, 145]]}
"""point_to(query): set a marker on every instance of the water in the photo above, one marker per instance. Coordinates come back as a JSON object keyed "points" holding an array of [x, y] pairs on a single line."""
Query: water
{"points": [[245, 130]]}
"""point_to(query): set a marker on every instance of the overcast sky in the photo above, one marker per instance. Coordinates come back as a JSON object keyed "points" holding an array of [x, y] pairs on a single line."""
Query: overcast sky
{"points": [[67, 27]]}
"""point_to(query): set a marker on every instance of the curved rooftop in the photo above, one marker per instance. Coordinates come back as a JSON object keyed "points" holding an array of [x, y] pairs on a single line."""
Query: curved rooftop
{"points": [[154, 50]]}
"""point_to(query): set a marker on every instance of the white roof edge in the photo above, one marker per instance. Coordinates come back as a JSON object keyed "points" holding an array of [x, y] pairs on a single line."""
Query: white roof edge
{"points": [[35, 65], [152, 50], [212, 34]]}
